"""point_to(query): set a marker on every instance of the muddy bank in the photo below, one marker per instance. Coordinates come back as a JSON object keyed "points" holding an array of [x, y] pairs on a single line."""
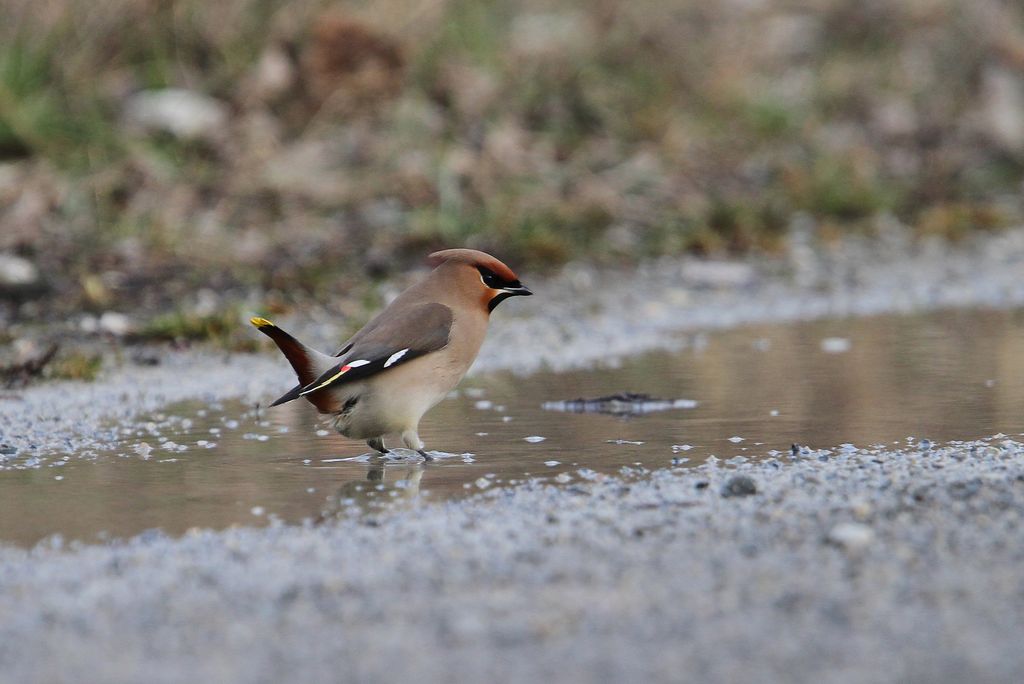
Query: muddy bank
{"points": [[843, 566], [580, 318]]}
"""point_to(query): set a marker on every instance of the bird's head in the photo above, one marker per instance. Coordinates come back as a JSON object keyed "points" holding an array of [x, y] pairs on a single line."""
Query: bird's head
{"points": [[480, 276]]}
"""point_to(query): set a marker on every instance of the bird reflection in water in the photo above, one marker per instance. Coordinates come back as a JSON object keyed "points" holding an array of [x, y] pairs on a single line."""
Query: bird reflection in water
{"points": [[386, 486]]}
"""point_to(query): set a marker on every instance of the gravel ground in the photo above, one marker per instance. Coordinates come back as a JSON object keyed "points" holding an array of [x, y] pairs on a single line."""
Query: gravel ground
{"points": [[872, 565], [854, 566]]}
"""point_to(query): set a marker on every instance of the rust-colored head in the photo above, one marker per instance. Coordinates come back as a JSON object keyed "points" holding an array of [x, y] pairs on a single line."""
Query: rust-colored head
{"points": [[495, 281]]}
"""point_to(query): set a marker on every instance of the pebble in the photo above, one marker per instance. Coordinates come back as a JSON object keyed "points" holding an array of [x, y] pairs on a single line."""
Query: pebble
{"points": [[18, 276], [185, 114], [852, 536], [739, 485], [835, 345], [115, 323]]}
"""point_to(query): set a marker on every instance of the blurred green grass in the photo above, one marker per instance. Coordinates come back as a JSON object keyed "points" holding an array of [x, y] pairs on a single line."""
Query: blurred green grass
{"points": [[358, 135]]}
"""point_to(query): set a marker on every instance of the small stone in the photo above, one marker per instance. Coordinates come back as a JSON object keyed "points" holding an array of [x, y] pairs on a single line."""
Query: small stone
{"points": [[534, 439], [185, 114], [18, 277], [114, 323], [835, 345], [739, 485], [851, 536], [965, 489], [718, 274]]}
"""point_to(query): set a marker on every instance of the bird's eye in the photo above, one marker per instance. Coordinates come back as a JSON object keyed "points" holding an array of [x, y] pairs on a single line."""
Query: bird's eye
{"points": [[489, 279]]}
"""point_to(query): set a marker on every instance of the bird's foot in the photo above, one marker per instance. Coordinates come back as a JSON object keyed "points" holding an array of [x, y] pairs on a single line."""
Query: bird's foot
{"points": [[377, 444], [425, 455]]}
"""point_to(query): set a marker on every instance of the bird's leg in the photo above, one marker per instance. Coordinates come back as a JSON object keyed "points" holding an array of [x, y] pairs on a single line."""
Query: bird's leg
{"points": [[377, 444], [413, 441]]}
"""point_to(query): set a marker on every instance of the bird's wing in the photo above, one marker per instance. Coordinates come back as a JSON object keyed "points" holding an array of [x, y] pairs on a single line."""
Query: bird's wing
{"points": [[389, 342]]}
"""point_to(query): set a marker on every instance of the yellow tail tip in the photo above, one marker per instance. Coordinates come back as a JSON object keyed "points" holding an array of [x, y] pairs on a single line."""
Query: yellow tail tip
{"points": [[259, 322]]}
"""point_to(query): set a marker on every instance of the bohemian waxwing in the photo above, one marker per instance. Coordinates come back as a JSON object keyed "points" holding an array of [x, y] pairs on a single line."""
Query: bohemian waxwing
{"points": [[407, 359]]}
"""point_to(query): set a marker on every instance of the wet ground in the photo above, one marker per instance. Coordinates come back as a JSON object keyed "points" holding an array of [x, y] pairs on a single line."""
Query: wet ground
{"points": [[755, 391]]}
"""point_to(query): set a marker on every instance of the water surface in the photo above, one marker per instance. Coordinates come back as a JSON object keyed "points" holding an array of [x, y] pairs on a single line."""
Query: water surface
{"points": [[949, 376]]}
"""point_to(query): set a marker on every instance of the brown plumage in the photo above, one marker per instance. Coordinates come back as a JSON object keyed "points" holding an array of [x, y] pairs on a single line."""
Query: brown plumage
{"points": [[409, 356]]}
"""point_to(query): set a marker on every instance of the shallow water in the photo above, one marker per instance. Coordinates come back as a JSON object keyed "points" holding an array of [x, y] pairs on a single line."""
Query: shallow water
{"points": [[949, 376]]}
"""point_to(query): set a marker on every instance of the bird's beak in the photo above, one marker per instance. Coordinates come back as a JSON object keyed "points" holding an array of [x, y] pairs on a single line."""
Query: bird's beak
{"points": [[519, 291]]}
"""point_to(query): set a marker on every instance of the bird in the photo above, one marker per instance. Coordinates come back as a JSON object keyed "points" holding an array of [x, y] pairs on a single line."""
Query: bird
{"points": [[408, 357]]}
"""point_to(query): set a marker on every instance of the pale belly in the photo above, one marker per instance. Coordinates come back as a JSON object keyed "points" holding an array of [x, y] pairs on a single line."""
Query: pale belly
{"points": [[395, 401]]}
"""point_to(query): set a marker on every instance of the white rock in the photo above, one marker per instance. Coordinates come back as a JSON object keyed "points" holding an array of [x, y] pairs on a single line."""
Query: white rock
{"points": [[713, 274], [851, 536], [115, 323], [17, 273], [274, 74], [185, 114], [835, 345]]}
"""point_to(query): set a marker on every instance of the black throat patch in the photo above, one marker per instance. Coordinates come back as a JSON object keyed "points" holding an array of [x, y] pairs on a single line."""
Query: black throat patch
{"points": [[498, 299]]}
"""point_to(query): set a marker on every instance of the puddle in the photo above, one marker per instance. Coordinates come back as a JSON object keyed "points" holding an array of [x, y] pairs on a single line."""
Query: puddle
{"points": [[956, 375]]}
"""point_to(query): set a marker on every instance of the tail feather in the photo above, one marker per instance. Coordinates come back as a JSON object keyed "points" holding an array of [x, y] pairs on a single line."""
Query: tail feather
{"points": [[307, 363], [293, 393]]}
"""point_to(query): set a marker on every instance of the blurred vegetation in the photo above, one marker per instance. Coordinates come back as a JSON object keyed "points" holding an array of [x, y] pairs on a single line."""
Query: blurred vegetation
{"points": [[75, 365], [303, 145], [221, 327]]}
